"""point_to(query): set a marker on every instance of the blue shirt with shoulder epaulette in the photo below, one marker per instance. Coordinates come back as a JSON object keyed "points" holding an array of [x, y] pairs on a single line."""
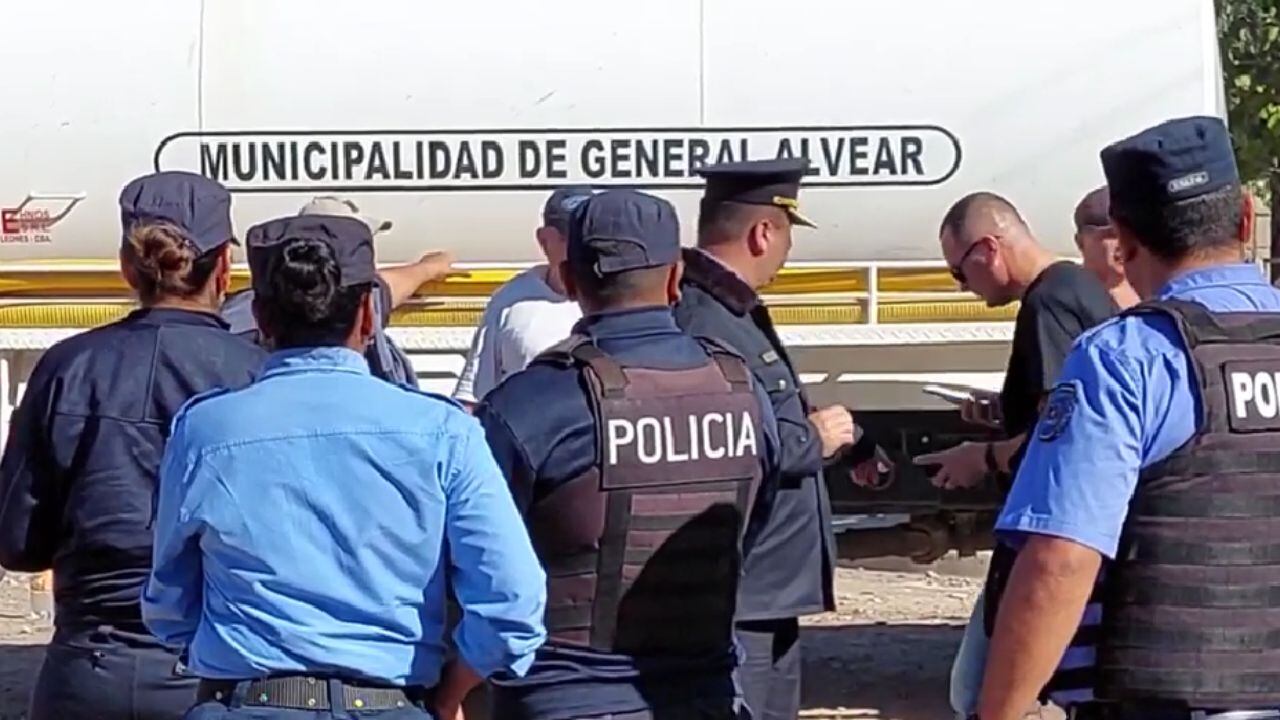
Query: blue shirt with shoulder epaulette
{"points": [[306, 524], [1125, 400], [78, 479], [542, 431]]}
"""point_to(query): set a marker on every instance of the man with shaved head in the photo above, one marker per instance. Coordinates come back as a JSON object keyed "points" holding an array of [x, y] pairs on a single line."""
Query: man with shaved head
{"points": [[1099, 246], [992, 252]]}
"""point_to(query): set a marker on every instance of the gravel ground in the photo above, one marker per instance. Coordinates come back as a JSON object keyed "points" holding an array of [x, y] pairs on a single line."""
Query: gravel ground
{"points": [[886, 652]]}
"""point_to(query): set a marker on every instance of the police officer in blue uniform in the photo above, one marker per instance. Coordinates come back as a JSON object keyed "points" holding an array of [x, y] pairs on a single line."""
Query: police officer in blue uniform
{"points": [[1146, 501], [639, 455], [306, 522], [744, 237], [79, 471]]}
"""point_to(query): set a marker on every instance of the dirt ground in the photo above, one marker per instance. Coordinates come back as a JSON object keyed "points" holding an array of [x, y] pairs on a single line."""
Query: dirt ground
{"points": [[886, 653]]}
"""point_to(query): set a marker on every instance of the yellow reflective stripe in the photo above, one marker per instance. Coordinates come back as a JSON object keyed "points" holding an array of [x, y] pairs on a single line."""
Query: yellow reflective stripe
{"points": [[467, 313], [83, 283]]}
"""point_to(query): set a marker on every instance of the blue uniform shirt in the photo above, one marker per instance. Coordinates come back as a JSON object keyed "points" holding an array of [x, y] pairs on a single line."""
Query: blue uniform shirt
{"points": [[1126, 399], [302, 527], [77, 484], [542, 432]]}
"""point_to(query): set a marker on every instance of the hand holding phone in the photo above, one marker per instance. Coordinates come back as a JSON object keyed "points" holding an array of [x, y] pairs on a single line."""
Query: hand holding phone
{"points": [[951, 395]]}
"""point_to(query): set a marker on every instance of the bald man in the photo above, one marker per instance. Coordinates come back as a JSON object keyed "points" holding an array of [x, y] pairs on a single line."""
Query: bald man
{"points": [[1100, 246], [992, 252]]}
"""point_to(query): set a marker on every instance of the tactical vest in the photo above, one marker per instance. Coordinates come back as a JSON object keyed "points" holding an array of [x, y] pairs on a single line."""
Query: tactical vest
{"points": [[643, 550], [1191, 605]]}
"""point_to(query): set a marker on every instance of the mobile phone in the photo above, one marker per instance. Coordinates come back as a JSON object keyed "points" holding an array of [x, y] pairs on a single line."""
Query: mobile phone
{"points": [[949, 394]]}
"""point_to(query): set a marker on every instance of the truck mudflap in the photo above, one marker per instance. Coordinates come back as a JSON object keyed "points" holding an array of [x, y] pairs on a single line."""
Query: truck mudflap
{"points": [[905, 515]]}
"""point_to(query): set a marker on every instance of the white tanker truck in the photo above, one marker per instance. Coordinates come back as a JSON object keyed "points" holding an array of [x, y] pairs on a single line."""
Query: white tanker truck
{"points": [[456, 119]]}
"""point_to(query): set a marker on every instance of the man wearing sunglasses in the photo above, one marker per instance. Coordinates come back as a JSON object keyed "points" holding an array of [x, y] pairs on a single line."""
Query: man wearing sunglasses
{"points": [[992, 253]]}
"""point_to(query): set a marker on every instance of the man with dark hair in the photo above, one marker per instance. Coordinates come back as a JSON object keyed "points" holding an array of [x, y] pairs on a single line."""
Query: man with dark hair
{"points": [[306, 523], [992, 252], [1099, 247], [643, 461], [744, 237], [1146, 501]]}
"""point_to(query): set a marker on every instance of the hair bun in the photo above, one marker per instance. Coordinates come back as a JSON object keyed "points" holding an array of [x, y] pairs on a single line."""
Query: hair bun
{"points": [[305, 278]]}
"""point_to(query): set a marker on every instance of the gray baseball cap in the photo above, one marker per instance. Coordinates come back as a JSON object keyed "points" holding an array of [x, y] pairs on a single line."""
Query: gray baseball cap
{"points": [[342, 207]]}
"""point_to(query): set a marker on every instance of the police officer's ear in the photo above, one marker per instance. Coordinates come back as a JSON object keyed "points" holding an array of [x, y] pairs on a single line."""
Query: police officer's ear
{"points": [[760, 236], [222, 274], [570, 284], [674, 273], [365, 325], [1248, 217], [1127, 245]]}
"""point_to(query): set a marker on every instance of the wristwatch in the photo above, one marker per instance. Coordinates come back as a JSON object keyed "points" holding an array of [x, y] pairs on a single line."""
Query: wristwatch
{"points": [[992, 466]]}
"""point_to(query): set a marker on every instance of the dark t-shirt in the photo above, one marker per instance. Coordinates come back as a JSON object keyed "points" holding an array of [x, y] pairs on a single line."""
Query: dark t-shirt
{"points": [[1064, 301], [1061, 304]]}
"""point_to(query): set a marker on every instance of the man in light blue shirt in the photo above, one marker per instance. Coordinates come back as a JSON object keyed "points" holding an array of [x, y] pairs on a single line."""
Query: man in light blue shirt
{"points": [[1107, 481], [306, 523]]}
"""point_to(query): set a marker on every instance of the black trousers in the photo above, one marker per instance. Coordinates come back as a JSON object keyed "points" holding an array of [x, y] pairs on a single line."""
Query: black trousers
{"points": [[109, 674], [770, 674]]}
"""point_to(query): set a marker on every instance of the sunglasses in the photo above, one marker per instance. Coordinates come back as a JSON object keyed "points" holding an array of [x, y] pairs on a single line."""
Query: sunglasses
{"points": [[957, 270]]}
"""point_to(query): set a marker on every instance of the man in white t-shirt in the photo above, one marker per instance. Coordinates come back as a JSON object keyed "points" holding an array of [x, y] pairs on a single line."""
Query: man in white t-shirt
{"points": [[529, 313]]}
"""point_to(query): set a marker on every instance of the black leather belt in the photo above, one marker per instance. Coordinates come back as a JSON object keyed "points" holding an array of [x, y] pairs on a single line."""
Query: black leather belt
{"points": [[303, 692]]}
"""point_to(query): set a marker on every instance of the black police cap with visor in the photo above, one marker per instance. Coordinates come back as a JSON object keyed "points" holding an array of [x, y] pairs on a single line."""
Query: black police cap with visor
{"points": [[758, 182]]}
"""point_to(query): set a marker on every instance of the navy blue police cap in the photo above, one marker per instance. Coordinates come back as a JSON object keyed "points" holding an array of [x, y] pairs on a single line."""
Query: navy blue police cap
{"points": [[1176, 160], [620, 230], [349, 238], [758, 182], [558, 210], [196, 205]]}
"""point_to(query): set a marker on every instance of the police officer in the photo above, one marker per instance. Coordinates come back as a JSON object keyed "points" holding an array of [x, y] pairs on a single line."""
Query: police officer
{"points": [[79, 469], [1154, 468], [744, 236], [394, 285], [635, 452], [306, 522]]}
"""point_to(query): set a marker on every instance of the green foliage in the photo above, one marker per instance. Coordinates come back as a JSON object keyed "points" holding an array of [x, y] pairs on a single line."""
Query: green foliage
{"points": [[1250, 37]]}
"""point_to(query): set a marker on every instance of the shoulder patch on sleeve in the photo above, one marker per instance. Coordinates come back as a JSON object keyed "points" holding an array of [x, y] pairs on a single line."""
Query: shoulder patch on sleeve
{"points": [[1057, 413]]}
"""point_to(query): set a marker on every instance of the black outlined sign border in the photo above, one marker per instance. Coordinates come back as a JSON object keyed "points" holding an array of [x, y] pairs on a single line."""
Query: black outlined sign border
{"points": [[693, 184]]}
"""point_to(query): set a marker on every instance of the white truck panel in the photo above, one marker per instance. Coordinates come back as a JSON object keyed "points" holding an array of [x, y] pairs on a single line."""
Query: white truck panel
{"points": [[88, 87], [904, 105]]}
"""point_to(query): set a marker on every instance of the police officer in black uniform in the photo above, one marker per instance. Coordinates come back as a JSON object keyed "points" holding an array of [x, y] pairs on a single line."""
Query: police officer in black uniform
{"points": [[78, 476], [635, 452], [744, 236]]}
